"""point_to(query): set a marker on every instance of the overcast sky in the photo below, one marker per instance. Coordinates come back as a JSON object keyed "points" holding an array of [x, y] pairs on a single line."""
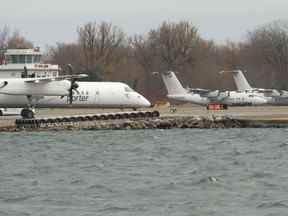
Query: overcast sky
{"points": [[50, 21]]}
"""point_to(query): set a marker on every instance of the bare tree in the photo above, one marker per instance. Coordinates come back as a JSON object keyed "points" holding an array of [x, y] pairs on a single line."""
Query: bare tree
{"points": [[175, 43], [4, 34], [271, 43], [64, 54], [169, 47], [8, 41], [100, 45], [17, 41], [146, 55]]}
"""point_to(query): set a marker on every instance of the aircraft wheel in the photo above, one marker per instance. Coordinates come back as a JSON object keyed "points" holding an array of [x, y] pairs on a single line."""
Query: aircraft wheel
{"points": [[27, 114]]}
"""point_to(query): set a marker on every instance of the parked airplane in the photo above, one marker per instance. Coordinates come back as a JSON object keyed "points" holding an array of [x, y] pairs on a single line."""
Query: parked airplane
{"points": [[60, 92], [205, 97], [273, 96]]}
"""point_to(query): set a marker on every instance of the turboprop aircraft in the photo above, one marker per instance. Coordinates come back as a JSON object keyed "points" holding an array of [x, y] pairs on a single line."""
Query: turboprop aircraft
{"points": [[273, 96], [64, 91], [205, 97]]}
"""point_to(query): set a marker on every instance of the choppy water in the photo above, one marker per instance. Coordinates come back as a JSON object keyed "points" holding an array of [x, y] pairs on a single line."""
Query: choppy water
{"points": [[145, 172]]}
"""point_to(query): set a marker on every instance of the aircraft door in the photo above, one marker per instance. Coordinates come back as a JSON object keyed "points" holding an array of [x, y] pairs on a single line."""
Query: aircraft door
{"points": [[97, 96]]}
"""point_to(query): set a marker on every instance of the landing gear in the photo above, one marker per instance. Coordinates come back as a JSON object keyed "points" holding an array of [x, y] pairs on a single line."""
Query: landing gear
{"points": [[27, 113]]}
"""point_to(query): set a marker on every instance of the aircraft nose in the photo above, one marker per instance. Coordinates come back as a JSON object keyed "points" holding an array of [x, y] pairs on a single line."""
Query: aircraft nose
{"points": [[144, 102]]}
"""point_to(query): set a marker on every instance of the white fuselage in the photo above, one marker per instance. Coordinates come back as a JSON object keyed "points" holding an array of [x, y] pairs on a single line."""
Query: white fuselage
{"points": [[88, 94], [273, 96], [23, 86], [231, 98], [234, 98], [190, 97], [24, 81]]}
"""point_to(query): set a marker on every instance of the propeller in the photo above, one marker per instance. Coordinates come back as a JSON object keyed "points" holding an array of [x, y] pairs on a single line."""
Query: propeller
{"points": [[3, 84], [73, 84]]}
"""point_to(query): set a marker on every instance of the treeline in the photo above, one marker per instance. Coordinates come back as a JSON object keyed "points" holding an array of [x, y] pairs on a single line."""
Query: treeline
{"points": [[106, 52]]}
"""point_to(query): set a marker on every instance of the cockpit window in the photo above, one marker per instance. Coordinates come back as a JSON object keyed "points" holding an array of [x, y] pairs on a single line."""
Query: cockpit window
{"points": [[128, 89]]}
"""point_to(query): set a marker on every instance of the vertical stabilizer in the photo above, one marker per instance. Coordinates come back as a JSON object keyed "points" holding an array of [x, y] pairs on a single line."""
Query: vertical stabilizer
{"points": [[240, 80], [172, 84]]}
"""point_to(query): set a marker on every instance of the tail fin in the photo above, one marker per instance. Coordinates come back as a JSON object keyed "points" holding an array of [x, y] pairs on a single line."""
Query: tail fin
{"points": [[172, 84], [240, 80]]}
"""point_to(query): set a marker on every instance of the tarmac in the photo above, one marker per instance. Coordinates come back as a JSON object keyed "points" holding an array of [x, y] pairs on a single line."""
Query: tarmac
{"points": [[257, 113]]}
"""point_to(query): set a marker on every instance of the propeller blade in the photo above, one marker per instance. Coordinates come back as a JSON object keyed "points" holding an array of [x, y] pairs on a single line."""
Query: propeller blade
{"points": [[70, 96], [73, 84], [3, 84]]}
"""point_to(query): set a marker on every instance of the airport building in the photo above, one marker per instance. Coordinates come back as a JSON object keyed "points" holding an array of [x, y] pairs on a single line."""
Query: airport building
{"points": [[17, 63]]}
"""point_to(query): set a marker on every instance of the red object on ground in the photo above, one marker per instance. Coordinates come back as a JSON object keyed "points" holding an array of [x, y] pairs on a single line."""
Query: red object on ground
{"points": [[217, 107]]}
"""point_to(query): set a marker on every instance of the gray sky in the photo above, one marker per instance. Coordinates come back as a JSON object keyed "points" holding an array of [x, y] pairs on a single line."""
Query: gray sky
{"points": [[51, 21]]}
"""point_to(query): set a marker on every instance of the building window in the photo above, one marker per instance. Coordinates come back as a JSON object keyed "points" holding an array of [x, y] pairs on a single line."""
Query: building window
{"points": [[22, 59], [28, 59], [8, 59], [14, 59], [36, 59]]}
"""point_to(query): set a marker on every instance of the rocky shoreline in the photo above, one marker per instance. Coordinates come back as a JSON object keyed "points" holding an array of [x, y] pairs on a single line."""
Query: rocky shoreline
{"points": [[200, 122], [187, 122]]}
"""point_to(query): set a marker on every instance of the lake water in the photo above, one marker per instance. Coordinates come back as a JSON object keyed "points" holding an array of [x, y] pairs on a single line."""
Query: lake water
{"points": [[145, 172]]}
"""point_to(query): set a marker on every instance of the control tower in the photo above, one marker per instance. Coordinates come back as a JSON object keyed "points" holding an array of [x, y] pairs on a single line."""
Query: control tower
{"points": [[17, 63]]}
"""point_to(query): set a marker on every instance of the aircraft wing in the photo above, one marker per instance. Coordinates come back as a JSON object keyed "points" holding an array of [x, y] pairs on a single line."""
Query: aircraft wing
{"points": [[58, 78], [198, 90], [74, 76], [213, 94], [260, 90]]}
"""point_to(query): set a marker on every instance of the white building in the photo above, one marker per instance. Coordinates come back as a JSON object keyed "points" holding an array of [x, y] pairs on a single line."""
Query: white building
{"points": [[19, 63], [16, 60]]}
